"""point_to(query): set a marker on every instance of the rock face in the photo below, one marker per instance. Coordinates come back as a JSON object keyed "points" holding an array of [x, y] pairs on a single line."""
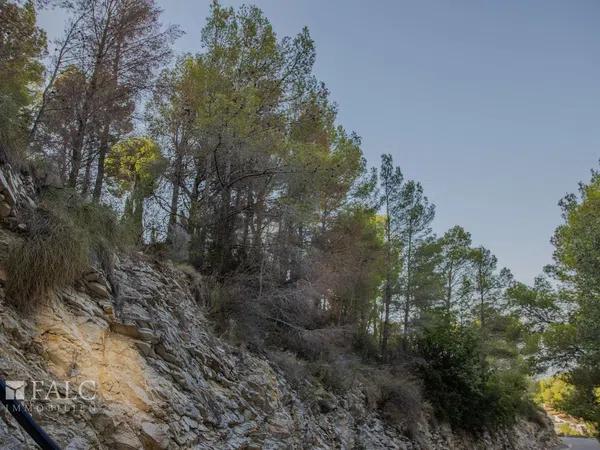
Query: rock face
{"points": [[141, 369], [15, 190], [164, 381]]}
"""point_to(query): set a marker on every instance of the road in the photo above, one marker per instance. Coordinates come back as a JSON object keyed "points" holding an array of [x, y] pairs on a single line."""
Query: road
{"points": [[582, 444]]}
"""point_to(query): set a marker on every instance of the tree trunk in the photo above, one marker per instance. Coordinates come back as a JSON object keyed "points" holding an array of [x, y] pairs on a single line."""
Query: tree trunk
{"points": [[76, 153], [387, 298], [449, 289], [176, 186], [106, 130], [87, 105], [102, 151], [87, 176]]}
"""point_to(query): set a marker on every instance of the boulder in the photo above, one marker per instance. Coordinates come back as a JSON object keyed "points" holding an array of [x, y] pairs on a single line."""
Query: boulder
{"points": [[97, 289], [5, 210], [6, 189], [155, 436], [94, 276]]}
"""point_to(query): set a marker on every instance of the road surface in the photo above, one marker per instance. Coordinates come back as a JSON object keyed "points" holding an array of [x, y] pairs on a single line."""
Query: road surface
{"points": [[582, 444]]}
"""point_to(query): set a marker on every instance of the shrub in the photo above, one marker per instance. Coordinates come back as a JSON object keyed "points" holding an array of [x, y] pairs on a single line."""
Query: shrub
{"points": [[283, 318], [565, 429], [197, 283], [294, 370], [367, 346], [98, 222], [54, 254], [337, 376], [461, 387], [401, 400], [178, 243], [395, 393], [65, 234], [321, 344]]}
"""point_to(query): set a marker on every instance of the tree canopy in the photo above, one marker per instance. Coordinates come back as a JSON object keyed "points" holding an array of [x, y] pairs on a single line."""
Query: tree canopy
{"points": [[232, 160]]}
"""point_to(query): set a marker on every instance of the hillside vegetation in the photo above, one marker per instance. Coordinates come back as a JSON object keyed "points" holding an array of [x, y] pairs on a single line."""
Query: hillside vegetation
{"points": [[231, 163]]}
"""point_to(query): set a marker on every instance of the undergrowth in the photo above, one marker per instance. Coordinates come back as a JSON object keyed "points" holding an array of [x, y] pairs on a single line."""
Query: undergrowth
{"points": [[65, 235], [53, 255]]}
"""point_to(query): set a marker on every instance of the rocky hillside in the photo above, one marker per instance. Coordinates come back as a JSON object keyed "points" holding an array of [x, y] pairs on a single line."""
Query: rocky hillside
{"points": [[153, 375]]}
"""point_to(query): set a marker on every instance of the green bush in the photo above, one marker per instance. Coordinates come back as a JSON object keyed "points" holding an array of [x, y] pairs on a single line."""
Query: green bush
{"points": [[576, 393], [564, 429], [461, 387]]}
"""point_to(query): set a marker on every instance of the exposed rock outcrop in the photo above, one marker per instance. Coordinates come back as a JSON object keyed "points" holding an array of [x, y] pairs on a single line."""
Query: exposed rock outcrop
{"points": [[149, 373], [16, 193], [165, 381]]}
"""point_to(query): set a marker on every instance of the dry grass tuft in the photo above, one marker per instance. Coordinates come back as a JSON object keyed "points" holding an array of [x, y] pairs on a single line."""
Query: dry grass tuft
{"points": [[396, 394], [53, 255], [65, 235]]}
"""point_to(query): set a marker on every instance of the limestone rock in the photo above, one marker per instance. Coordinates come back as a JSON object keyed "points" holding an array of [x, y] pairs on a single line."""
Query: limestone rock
{"points": [[97, 289], [5, 209], [94, 276], [108, 309], [162, 379], [6, 189], [147, 335], [124, 329], [155, 436], [125, 440]]}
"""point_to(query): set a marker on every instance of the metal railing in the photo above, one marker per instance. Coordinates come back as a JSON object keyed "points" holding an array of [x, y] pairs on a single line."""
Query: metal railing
{"points": [[22, 416]]}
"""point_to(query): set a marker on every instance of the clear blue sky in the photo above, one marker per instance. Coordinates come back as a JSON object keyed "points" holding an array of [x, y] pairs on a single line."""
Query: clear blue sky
{"points": [[493, 105]]}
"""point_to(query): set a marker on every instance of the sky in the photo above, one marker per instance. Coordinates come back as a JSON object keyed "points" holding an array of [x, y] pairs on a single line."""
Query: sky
{"points": [[492, 105]]}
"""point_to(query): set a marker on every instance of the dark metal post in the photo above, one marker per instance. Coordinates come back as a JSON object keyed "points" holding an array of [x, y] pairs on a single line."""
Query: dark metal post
{"points": [[19, 412]]}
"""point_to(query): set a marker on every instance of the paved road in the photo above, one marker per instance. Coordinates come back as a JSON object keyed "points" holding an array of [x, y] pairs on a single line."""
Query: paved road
{"points": [[582, 444]]}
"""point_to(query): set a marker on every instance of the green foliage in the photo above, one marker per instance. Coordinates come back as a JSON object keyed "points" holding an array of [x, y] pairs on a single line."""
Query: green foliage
{"points": [[577, 252], [539, 304], [460, 384], [349, 266], [98, 222], [135, 164], [565, 429], [569, 393], [553, 391], [573, 339], [454, 266], [21, 45], [426, 281], [584, 400]]}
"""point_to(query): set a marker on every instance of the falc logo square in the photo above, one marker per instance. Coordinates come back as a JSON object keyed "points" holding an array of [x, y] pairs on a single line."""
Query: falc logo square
{"points": [[15, 390]]}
